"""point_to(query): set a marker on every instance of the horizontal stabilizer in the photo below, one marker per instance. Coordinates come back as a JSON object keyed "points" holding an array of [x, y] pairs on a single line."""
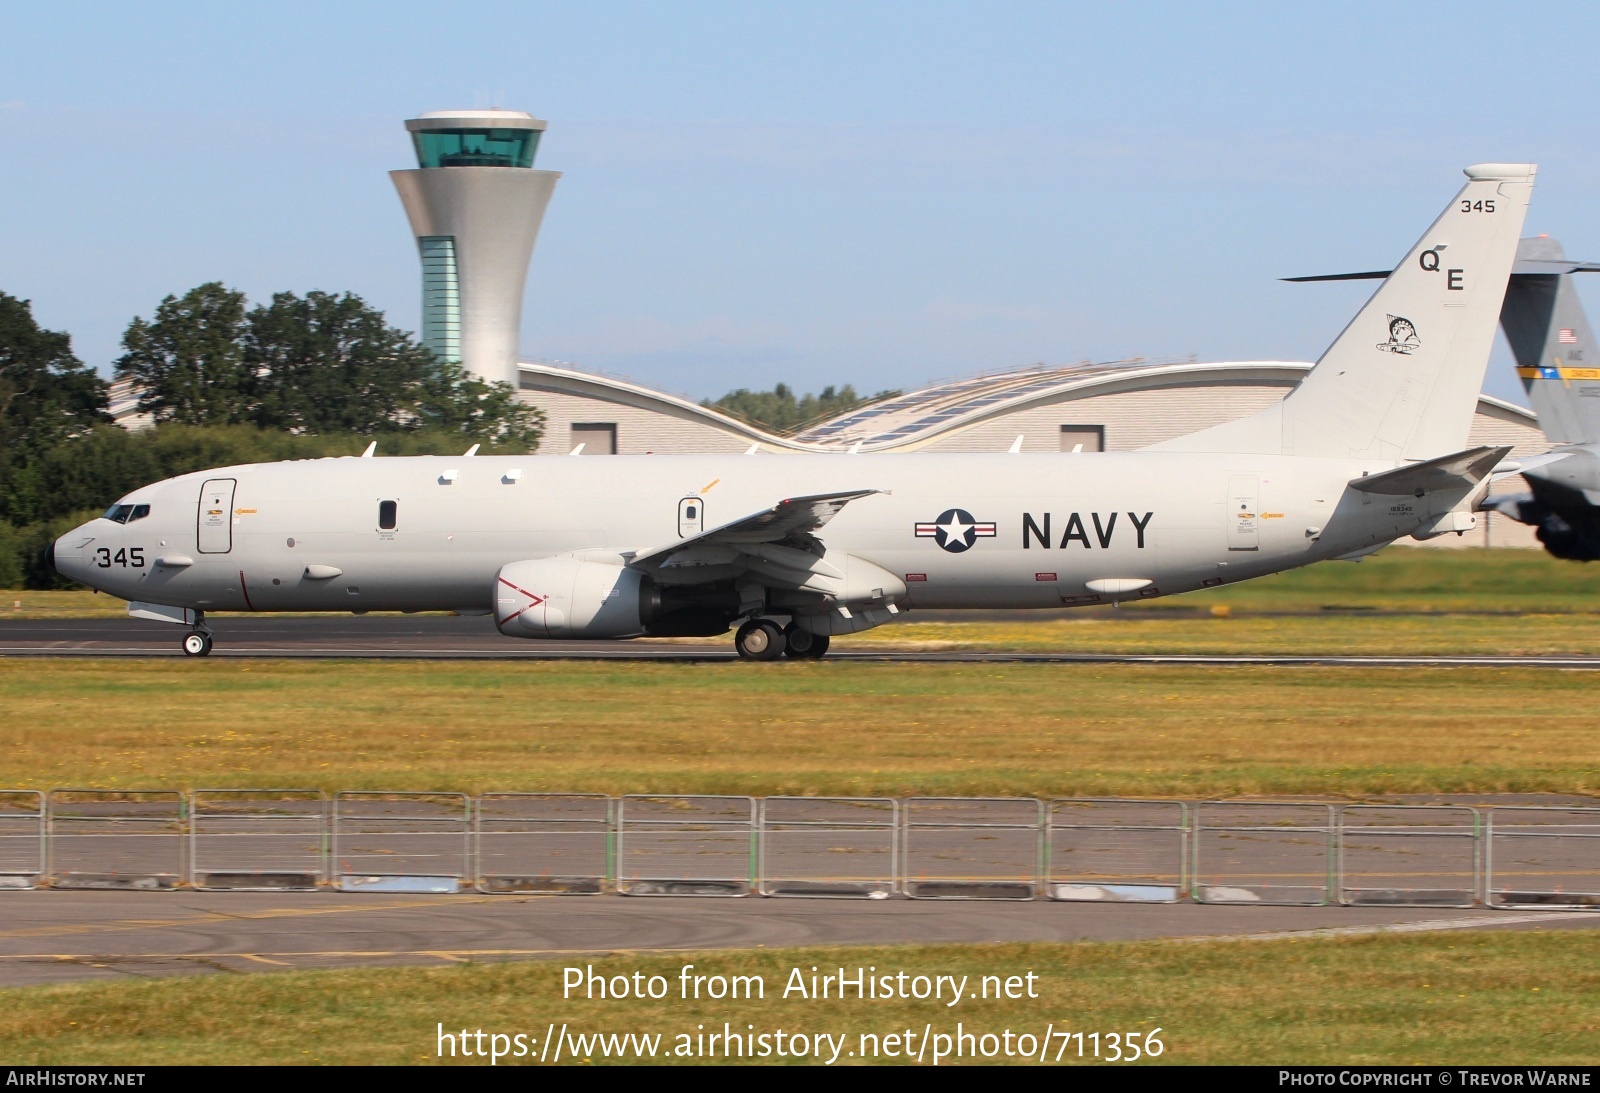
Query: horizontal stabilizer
{"points": [[1517, 466], [1460, 471], [1553, 265], [1370, 275], [1523, 266]]}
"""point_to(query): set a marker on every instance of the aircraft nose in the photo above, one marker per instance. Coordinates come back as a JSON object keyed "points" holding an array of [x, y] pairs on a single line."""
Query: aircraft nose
{"points": [[50, 557]]}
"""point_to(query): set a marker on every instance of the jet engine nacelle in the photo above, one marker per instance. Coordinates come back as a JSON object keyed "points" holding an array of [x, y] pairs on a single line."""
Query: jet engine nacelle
{"points": [[583, 596], [569, 596]]}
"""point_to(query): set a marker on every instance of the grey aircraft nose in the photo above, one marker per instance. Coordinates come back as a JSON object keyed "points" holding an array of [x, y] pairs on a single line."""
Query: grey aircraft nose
{"points": [[50, 557]]}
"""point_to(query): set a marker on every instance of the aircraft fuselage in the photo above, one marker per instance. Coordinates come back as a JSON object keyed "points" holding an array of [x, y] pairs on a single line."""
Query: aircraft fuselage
{"points": [[962, 531]]}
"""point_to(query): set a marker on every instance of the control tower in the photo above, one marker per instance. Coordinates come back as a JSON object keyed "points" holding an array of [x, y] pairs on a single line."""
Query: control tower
{"points": [[475, 204]]}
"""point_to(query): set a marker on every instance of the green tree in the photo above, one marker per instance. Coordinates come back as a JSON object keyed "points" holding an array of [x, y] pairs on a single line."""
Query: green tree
{"points": [[188, 361], [453, 400], [46, 393], [780, 411], [86, 472], [323, 363]]}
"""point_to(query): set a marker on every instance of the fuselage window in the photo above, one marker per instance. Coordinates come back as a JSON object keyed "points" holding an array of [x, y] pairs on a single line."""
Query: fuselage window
{"points": [[388, 515]]}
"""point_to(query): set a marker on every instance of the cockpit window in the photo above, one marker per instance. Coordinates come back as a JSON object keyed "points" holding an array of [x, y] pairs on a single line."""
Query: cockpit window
{"points": [[126, 514]]}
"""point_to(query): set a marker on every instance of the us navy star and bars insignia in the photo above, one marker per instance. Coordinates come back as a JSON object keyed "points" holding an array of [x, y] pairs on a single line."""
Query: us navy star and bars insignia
{"points": [[955, 530]]}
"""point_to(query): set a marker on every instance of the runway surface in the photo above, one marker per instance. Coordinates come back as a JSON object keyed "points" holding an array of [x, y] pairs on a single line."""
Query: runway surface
{"points": [[461, 638], [51, 936]]}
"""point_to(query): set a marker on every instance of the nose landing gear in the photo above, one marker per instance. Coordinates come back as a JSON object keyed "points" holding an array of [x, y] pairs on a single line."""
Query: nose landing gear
{"points": [[197, 642]]}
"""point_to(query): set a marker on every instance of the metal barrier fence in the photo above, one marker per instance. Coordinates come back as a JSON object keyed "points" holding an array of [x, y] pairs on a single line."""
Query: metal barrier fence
{"points": [[556, 843], [100, 838], [401, 842], [1264, 852], [1117, 850], [1413, 855], [686, 846], [22, 838], [1543, 857], [258, 840], [1068, 849], [839, 847], [971, 847]]}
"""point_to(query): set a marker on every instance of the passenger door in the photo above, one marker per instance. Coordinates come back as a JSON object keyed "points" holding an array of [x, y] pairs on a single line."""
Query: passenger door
{"points": [[215, 519]]}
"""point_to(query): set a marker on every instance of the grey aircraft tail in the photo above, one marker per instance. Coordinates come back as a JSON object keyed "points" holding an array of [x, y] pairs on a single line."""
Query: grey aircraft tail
{"points": [[1557, 356], [1401, 382]]}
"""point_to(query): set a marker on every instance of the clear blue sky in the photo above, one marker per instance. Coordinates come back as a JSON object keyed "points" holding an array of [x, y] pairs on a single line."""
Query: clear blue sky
{"points": [[815, 192]]}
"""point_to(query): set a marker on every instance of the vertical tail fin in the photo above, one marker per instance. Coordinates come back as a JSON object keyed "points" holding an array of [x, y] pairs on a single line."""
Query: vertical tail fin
{"points": [[1557, 356], [1402, 380]]}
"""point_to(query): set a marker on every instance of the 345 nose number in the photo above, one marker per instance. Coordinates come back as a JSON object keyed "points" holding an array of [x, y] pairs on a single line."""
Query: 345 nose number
{"points": [[127, 557]]}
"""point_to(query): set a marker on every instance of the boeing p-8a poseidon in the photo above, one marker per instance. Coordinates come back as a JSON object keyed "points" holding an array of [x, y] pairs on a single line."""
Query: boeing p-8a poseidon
{"points": [[1371, 447]]}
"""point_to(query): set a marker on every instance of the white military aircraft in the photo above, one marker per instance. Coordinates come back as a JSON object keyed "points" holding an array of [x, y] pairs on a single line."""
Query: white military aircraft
{"points": [[1370, 447]]}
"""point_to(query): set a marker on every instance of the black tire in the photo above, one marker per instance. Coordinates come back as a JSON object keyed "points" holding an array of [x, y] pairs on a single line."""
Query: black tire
{"points": [[196, 644], [803, 644], [759, 639]]}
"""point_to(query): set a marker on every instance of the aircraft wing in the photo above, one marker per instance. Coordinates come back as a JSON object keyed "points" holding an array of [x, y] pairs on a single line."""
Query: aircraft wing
{"points": [[1462, 470], [771, 534]]}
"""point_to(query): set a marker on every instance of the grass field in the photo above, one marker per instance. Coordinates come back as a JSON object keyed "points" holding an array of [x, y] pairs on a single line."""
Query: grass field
{"points": [[807, 728], [1443, 999]]}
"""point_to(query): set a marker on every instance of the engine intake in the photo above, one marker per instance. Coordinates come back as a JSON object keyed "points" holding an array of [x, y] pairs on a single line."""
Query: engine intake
{"points": [[573, 596]]}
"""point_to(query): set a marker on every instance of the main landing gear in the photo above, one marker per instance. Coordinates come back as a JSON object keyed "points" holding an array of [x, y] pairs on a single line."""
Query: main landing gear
{"points": [[803, 644], [197, 642], [763, 639]]}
